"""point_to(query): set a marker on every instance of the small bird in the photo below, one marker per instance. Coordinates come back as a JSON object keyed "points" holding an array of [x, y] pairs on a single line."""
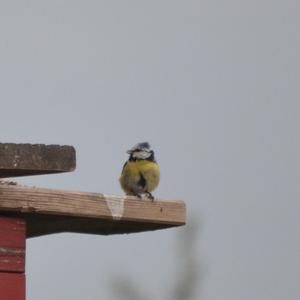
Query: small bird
{"points": [[140, 174]]}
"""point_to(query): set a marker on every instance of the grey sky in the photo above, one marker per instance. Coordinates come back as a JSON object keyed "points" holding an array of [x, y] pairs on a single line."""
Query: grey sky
{"points": [[212, 85]]}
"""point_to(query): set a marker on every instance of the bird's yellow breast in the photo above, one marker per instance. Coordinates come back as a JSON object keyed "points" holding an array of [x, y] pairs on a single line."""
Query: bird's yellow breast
{"points": [[134, 170]]}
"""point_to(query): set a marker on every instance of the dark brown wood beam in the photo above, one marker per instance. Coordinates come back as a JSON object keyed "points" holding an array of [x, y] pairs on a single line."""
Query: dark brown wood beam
{"points": [[28, 159]]}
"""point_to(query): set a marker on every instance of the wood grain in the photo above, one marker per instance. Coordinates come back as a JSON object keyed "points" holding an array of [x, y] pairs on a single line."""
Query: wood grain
{"points": [[48, 211], [12, 244], [29, 159]]}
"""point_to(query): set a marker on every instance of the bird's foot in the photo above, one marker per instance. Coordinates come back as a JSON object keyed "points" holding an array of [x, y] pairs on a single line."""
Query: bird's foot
{"points": [[150, 196], [135, 195]]}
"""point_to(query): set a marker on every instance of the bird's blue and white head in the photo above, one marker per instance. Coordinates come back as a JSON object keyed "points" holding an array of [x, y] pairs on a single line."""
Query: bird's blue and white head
{"points": [[141, 151]]}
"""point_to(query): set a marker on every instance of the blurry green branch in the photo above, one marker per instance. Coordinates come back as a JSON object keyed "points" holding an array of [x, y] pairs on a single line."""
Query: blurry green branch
{"points": [[187, 271], [127, 290]]}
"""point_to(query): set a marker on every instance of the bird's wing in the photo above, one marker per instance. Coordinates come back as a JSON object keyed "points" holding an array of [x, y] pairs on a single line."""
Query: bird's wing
{"points": [[124, 166]]}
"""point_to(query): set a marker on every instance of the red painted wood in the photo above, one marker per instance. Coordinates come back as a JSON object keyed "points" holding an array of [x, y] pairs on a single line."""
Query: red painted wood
{"points": [[12, 244], [12, 286], [12, 232], [12, 258]]}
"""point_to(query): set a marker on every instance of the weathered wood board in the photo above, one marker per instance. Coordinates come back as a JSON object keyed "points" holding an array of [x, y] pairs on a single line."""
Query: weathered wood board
{"points": [[35, 159], [49, 211]]}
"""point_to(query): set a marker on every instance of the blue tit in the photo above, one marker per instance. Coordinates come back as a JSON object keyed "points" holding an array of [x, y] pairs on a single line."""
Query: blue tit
{"points": [[140, 174]]}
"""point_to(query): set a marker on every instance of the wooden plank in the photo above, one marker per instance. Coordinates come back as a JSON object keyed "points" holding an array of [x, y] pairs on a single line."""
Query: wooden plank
{"points": [[48, 211], [29, 159], [12, 244], [12, 258], [12, 286]]}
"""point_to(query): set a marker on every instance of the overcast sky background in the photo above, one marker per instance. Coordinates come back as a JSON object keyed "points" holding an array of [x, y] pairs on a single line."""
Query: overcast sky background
{"points": [[213, 86]]}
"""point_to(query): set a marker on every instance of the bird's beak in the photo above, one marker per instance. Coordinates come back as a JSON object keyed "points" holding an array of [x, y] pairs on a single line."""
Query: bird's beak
{"points": [[129, 151]]}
